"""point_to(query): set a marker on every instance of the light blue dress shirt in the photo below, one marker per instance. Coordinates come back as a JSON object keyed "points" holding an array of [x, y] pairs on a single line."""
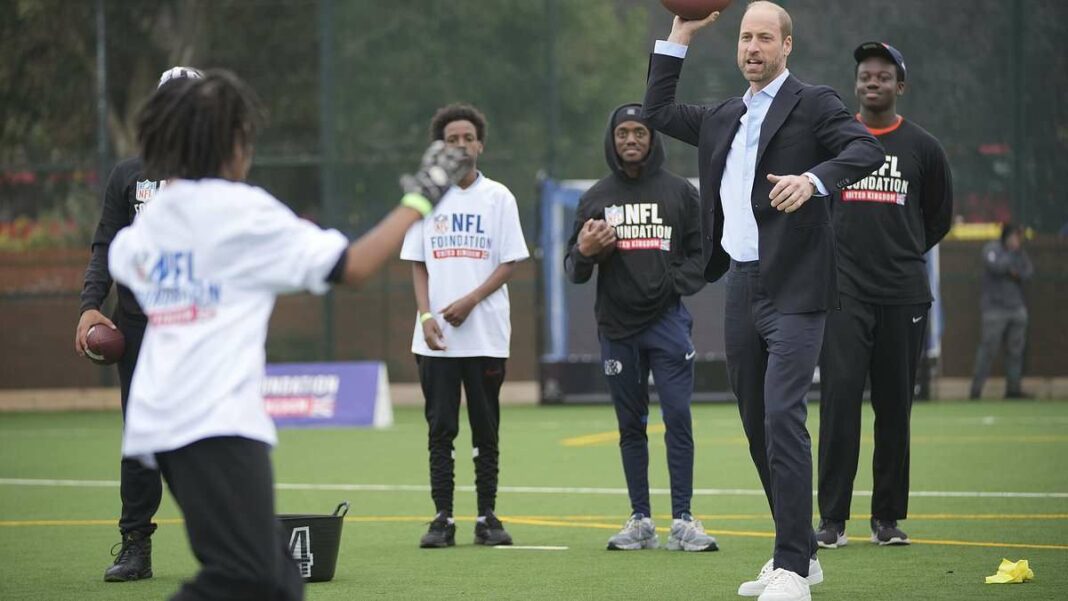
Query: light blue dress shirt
{"points": [[741, 239]]}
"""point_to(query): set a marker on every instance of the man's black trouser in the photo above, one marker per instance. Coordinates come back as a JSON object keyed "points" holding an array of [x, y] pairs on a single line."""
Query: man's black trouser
{"points": [[481, 379], [140, 487], [883, 342], [225, 489], [771, 357]]}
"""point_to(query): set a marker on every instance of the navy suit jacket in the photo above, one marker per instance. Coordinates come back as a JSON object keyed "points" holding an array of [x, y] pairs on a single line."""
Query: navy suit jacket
{"points": [[807, 128]]}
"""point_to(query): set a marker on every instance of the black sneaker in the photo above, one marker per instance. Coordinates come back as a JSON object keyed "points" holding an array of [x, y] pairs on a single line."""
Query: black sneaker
{"points": [[831, 534], [491, 532], [1017, 395], [441, 533], [886, 532], [133, 561]]}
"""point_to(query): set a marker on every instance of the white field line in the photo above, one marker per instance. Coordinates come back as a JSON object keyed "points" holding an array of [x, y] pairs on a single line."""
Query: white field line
{"points": [[530, 548], [551, 490]]}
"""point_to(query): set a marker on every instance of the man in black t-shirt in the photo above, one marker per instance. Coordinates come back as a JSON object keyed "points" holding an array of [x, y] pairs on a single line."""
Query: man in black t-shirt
{"points": [[140, 488], [640, 227], [884, 224]]}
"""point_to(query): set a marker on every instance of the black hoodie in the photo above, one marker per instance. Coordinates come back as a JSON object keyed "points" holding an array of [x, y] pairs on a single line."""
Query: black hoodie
{"points": [[658, 255]]}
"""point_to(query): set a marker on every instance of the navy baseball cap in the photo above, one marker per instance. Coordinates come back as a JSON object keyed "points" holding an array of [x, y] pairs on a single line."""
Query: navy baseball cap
{"points": [[883, 50]]}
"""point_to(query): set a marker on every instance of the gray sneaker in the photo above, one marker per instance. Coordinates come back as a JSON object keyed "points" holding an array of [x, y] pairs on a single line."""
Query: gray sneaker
{"points": [[688, 534], [831, 534], [638, 533], [886, 532]]}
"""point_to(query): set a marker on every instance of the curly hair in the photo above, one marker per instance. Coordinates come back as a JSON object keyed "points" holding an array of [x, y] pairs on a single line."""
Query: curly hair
{"points": [[457, 112]]}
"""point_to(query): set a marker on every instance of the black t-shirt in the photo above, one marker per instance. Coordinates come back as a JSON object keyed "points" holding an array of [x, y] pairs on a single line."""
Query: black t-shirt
{"points": [[127, 191], [886, 222]]}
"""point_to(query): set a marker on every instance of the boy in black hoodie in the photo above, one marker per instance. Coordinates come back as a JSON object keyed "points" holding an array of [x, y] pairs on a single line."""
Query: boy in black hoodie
{"points": [[642, 226]]}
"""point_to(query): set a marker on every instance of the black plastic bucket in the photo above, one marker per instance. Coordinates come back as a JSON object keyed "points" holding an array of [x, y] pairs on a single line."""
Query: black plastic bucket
{"points": [[314, 541]]}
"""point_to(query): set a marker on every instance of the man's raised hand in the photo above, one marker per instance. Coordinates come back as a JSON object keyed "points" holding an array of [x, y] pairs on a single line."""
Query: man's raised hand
{"points": [[682, 30]]}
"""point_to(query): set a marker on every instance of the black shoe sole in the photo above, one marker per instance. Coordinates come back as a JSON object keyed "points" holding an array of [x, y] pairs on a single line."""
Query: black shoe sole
{"points": [[489, 543], [128, 577], [893, 542], [449, 543]]}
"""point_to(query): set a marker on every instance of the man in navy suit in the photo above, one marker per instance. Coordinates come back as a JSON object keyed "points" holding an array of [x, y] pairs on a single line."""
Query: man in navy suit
{"points": [[768, 161]]}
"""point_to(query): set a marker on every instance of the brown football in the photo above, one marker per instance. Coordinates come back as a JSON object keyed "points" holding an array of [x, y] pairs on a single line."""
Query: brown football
{"points": [[694, 10], [103, 345]]}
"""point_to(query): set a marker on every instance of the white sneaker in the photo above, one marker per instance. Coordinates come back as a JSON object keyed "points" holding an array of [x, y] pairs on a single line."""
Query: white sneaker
{"points": [[786, 586], [754, 588]]}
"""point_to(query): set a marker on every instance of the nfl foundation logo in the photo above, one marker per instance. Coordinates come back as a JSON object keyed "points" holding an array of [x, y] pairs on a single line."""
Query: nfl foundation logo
{"points": [[613, 215]]}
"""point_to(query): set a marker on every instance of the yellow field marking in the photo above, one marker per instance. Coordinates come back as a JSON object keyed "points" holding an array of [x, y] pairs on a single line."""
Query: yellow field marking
{"points": [[612, 437], [566, 523], [20, 523], [600, 438], [712, 517], [577, 521], [989, 516], [399, 518], [987, 438], [968, 543]]}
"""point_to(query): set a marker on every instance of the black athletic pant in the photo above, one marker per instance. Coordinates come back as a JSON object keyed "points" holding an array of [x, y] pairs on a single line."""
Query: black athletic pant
{"points": [[441, 379], [225, 489], [139, 487], [771, 357], [883, 341]]}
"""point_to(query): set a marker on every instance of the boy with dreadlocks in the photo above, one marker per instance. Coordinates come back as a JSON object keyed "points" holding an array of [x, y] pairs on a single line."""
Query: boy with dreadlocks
{"points": [[206, 260]]}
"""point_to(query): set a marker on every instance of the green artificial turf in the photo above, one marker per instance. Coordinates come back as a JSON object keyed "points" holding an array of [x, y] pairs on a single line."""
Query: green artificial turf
{"points": [[54, 540]]}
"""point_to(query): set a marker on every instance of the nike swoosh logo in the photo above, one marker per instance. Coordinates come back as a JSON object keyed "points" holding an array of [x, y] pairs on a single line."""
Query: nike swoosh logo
{"points": [[917, 319], [690, 355]]}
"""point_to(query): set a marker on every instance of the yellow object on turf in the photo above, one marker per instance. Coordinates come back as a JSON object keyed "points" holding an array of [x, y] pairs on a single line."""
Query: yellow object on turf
{"points": [[1012, 572]]}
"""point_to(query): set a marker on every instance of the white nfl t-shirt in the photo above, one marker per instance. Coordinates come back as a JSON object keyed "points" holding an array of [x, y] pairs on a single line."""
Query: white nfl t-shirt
{"points": [[469, 234], [206, 260]]}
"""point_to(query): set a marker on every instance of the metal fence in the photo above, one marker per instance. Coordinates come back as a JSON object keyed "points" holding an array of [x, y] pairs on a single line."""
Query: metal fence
{"points": [[351, 85]]}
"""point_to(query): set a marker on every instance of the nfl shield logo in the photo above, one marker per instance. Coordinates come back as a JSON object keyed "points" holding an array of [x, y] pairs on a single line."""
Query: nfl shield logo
{"points": [[441, 223], [613, 215], [145, 190]]}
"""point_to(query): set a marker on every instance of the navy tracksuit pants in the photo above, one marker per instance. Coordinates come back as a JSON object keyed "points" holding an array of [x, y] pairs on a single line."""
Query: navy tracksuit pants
{"points": [[665, 349]]}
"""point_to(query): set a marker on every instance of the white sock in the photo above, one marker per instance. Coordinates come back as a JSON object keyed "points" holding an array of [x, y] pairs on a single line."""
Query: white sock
{"points": [[481, 519]]}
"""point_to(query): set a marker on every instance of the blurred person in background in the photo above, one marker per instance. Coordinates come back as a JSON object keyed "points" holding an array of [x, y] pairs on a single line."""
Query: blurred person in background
{"points": [[127, 192], [884, 226], [1003, 307]]}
